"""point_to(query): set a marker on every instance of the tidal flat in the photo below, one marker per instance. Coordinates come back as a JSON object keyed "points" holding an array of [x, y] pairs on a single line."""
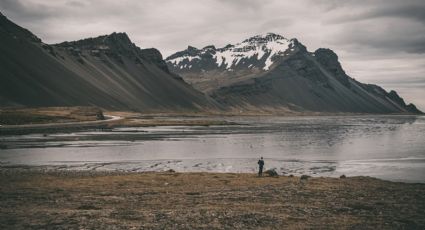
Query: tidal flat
{"points": [[385, 147]]}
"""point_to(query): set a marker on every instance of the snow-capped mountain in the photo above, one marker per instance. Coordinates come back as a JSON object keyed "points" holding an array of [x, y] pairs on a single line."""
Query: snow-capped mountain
{"points": [[258, 52], [272, 73]]}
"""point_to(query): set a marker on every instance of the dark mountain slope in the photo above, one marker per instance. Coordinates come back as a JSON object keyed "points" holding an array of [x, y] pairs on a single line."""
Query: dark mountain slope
{"points": [[108, 71]]}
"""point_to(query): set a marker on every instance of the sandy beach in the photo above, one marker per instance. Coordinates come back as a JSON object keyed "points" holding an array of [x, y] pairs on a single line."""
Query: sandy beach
{"points": [[36, 199]]}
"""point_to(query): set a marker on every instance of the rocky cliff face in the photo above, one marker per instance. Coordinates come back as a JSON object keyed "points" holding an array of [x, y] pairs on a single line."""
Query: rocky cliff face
{"points": [[116, 45], [271, 72], [329, 60]]}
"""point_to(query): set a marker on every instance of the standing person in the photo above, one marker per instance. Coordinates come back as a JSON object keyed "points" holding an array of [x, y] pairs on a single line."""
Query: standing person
{"points": [[260, 165]]}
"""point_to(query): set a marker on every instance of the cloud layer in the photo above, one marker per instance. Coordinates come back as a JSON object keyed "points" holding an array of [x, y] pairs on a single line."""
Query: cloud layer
{"points": [[378, 41]]}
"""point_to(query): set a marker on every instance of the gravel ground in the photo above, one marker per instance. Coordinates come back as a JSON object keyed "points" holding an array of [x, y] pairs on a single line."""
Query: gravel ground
{"points": [[35, 199]]}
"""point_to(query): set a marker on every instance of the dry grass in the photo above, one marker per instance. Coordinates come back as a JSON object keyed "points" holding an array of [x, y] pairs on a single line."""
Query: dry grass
{"points": [[101, 200], [42, 115], [45, 115], [144, 122]]}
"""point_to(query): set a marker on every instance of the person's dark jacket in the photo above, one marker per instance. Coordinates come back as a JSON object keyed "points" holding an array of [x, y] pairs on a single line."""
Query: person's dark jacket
{"points": [[261, 163]]}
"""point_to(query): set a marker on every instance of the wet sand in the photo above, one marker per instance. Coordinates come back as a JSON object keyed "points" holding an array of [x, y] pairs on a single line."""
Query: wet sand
{"points": [[36, 199]]}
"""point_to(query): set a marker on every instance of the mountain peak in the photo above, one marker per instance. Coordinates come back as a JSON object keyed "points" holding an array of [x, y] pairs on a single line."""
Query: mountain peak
{"points": [[103, 41], [119, 36], [116, 44], [257, 52], [210, 47], [191, 48], [263, 38]]}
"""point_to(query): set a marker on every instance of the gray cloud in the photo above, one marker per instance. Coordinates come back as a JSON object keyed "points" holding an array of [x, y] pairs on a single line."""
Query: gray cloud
{"points": [[390, 25], [353, 11], [411, 12], [26, 12], [378, 41], [77, 4], [387, 35]]}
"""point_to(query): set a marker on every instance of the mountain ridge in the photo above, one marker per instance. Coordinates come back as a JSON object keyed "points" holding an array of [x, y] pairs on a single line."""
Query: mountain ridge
{"points": [[262, 73], [116, 43]]}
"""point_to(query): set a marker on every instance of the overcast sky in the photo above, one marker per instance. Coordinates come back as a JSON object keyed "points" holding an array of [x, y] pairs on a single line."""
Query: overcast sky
{"points": [[378, 41]]}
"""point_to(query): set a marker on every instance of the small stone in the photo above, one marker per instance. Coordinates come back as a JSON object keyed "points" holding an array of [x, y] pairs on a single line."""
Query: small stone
{"points": [[342, 176]]}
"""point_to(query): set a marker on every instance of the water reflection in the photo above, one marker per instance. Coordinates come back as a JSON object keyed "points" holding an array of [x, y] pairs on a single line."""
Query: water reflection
{"points": [[329, 146]]}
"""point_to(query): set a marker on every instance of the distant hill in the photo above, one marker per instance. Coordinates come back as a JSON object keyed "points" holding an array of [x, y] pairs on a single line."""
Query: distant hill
{"points": [[107, 71], [272, 73]]}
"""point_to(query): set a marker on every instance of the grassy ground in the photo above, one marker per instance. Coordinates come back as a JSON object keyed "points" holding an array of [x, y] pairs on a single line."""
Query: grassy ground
{"points": [[43, 115], [102, 200], [71, 119], [167, 121]]}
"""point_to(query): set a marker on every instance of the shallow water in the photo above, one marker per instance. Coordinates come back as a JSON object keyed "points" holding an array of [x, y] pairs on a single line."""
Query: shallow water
{"points": [[387, 147]]}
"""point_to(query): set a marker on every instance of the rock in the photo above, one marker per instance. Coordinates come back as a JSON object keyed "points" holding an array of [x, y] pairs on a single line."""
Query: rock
{"points": [[329, 60], [153, 55], [342, 176], [291, 175], [193, 193], [271, 172], [304, 177], [412, 108], [171, 171], [88, 207]]}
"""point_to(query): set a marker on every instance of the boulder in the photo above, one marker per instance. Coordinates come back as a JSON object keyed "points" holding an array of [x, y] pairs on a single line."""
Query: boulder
{"points": [[271, 172], [304, 177]]}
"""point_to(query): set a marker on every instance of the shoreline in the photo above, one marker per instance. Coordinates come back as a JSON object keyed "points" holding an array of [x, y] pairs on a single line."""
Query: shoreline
{"points": [[91, 199], [100, 168], [124, 120], [46, 120]]}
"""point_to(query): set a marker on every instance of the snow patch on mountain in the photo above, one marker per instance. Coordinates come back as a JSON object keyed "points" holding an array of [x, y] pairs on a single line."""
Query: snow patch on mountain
{"points": [[270, 44], [188, 58], [263, 48], [231, 57], [276, 47]]}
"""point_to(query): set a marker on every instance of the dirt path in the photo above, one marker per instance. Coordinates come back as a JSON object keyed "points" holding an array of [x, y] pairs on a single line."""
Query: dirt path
{"points": [[112, 200]]}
